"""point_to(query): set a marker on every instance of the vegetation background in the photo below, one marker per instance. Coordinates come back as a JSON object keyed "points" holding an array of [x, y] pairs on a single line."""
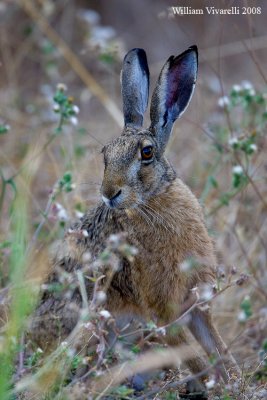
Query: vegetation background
{"points": [[51, 165]]}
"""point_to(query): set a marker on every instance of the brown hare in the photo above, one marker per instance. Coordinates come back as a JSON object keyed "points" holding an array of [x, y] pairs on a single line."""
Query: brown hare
{"points": [[142, 196]]}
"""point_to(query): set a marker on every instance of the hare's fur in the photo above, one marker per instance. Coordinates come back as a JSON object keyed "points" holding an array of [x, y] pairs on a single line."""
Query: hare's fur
{"points": [[157, 211]]}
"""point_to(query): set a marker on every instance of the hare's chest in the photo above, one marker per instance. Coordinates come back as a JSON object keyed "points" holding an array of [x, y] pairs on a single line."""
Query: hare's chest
{"points": [[157, 273], [158, 242]]}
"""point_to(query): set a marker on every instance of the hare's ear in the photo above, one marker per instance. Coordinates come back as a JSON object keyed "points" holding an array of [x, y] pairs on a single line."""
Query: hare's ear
{"points": [[134, 87], [173, 92]]}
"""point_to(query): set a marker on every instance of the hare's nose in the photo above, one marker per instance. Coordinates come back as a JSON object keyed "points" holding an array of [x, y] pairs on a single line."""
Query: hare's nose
{"points": [[111, 201], [115, 196]]}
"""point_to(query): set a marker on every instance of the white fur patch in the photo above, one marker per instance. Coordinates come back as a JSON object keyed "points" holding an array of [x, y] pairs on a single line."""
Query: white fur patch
{"points": [[105, 200]]}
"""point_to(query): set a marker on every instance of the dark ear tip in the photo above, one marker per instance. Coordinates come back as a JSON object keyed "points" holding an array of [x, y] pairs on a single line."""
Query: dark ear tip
{"points": [[137, 54], [139, 50], [193, 48], [190, 50], [140, 53]]}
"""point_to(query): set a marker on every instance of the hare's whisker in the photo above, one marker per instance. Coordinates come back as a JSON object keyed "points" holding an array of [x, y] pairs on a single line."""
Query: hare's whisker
{"points": [[146, 216], [88, 183], [152, 213], [161, 219], [166, 213]]}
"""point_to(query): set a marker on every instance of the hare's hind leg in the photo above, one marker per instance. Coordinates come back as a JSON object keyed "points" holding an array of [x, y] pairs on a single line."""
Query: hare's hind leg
{"points": [[191, 359], [177, 337], [206, 334]]}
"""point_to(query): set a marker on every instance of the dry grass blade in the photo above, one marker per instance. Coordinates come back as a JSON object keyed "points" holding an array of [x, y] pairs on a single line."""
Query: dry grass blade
{"points": [[73, 61], [147, 362]]}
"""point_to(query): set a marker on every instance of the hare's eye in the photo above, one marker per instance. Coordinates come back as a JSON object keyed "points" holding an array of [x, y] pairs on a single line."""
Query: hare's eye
{"points": [[147, 153]]}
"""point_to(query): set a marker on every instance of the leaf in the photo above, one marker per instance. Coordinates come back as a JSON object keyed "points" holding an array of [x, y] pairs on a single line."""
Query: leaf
{"points": [[5, 244], [224, 199], [213, 181], [3, 129], [12, 184], [123, 391], [135, 349]]}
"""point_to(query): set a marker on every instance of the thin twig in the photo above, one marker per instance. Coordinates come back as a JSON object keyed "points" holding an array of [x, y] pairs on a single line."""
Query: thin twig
{"points": [[250, 264], [21, 355], [41, 224], [248, 45], [83, 290]]}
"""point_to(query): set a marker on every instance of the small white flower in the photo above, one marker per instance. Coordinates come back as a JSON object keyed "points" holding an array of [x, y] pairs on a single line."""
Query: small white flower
{"points": [[237, 88], [253, 147], [64, 344], [44, 287], [73, 186], [71, 353], [185, 266], [252, 92], [62, 87], [61, 212], [223, 101], [62, 215], [206, 292], [79, 214], [101, 34], [242, 316], [7, 127], [85, 233], [233, 141], [161, 331], [237, 170], [74, 120], [101, 297], [88, 325], [210, 384], [134, 251], [246, 85], [56, 107], [39, 350], [86, 257], [75, 109], [90, 16], [114, 239], [105, 314]]}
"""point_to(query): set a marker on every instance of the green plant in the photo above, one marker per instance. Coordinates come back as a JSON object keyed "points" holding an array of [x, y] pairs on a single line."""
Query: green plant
{"points": [[236, 144]]}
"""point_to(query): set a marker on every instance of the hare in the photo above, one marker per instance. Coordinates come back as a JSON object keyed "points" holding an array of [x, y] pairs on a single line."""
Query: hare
{"points": [[142, 196]]}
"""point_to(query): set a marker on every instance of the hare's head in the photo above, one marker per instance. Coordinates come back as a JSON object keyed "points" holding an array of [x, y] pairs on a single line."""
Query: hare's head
{"points": [[135, 166]]}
